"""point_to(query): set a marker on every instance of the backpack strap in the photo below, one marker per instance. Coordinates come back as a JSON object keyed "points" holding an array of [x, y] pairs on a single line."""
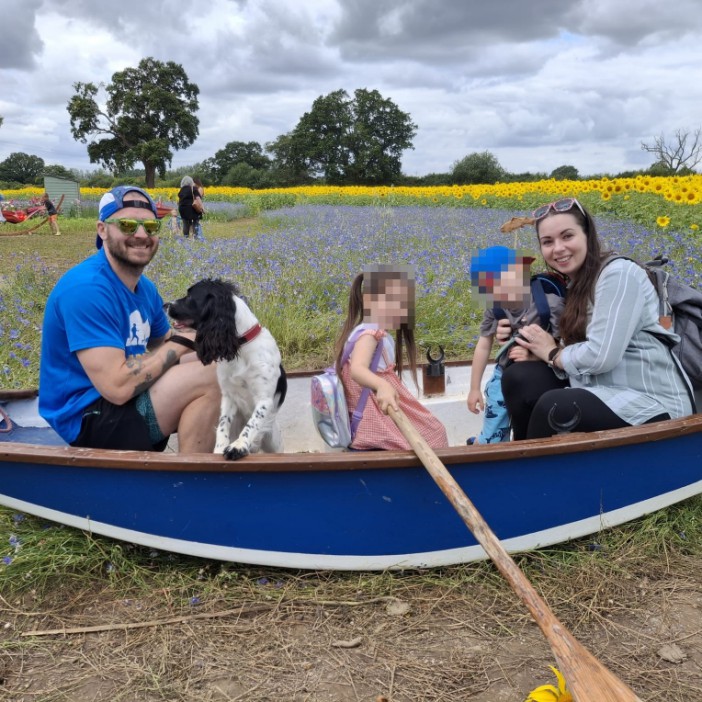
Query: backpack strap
{"points": [[365, 394], [542, 306]]}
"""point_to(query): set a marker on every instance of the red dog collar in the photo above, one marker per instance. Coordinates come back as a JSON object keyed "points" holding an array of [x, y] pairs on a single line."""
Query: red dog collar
{"points": [[251, 334]]}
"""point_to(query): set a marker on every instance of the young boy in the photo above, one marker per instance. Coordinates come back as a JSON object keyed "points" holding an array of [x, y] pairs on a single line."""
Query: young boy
{"points": [[500, 276]]}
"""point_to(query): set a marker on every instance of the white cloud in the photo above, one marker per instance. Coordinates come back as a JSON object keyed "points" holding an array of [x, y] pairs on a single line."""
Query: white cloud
{"points": [[541, 84]]}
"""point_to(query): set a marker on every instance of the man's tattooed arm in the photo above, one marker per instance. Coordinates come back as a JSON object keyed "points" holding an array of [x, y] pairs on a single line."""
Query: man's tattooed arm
{"points": [[139, 367]]}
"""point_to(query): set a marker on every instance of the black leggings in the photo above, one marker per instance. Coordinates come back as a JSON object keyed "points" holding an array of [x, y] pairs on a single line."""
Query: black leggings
{"points": [[540, 404]]}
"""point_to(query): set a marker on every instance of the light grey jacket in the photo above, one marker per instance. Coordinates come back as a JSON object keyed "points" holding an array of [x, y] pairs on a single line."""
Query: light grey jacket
{"points": [[630, 370]]}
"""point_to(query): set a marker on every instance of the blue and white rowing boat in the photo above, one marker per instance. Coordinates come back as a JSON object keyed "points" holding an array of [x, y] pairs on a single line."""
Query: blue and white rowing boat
{"points": [[321, 509]]}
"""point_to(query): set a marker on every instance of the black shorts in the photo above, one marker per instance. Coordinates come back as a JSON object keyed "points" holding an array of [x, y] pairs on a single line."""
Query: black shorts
{"points": [[119, 427]]}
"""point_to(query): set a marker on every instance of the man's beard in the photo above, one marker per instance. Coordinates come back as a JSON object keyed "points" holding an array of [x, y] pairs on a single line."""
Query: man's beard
{"points": [[117, 254]]}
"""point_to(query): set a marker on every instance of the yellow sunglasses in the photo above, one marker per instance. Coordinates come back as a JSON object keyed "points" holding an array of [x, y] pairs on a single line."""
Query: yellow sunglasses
{"points": [[129, 227]]}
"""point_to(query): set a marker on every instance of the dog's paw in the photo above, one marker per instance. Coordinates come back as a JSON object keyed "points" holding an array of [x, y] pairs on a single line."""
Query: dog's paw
{"points": [[234, 452]]}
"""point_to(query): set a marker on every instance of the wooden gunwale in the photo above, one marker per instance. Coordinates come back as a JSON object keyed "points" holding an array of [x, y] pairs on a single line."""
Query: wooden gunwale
{"points": [[206, 463]]}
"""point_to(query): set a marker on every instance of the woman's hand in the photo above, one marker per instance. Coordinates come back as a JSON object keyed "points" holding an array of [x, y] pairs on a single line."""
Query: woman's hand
{"points": [[386, 396], [534, 339]]}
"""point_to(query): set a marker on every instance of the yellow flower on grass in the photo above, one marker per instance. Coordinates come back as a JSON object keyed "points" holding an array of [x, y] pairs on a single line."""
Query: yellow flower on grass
{"points": [[549, 693], [694, 227], [606, 195], [663, 221]]}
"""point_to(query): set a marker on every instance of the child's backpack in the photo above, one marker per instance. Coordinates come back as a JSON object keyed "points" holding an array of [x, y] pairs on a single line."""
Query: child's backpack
{"points": [[330, 413], [543, 284], [681, 311]]}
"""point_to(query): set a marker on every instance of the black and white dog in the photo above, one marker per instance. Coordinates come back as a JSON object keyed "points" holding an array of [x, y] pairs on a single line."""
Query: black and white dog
{"points": [[249, 371]]}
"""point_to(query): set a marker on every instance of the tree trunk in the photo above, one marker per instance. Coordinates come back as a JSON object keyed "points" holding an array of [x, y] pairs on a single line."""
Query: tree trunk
{"points": [[150, 169]]}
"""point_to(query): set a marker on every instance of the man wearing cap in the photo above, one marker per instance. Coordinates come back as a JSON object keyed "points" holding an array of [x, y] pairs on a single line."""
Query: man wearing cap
{"points": [[111, 375]]}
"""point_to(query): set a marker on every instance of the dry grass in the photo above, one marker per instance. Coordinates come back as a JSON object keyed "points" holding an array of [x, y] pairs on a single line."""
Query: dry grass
{"points": [[261, 634]]}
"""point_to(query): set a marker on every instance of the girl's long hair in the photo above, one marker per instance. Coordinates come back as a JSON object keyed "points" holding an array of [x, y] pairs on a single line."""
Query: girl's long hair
{"points": [[581, 289], [404, 336]]}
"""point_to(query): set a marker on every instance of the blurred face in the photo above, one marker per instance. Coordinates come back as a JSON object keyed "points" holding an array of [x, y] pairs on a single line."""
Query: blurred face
{"points": [[563, 243], [391, 308], [135, 251], [512, 285]]}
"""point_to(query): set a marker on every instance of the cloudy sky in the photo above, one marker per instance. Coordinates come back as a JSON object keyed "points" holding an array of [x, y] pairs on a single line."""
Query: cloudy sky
{"points": [[540, 83]]}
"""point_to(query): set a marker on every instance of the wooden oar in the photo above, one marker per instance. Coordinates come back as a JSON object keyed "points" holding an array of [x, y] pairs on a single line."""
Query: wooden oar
{"points": [[588, 680]]}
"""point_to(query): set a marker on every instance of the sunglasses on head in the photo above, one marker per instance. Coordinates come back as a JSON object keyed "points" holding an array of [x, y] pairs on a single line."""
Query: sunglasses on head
{"points": [[129, 227], [559, 206]]}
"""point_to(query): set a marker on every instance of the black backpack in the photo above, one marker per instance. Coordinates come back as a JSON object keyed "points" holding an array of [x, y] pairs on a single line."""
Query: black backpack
{"points": [[680, 309]]}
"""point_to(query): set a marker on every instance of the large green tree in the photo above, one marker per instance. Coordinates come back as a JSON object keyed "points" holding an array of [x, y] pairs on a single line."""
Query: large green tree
{"points": [[478, 167], [235, 153], [346, 140], [21, 168], [59, 171], [565, 173], [149, 112]]}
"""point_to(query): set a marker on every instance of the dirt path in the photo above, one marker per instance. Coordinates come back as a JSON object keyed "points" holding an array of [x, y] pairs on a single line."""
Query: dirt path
{"points": [[457, 635]]}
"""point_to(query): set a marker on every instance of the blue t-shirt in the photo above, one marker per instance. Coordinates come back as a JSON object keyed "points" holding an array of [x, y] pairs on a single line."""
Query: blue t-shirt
{"points": [[90, 307]]}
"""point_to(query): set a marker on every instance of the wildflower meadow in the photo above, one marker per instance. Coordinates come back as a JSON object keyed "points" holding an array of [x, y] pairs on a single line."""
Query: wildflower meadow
{"points": [[296, 263]]}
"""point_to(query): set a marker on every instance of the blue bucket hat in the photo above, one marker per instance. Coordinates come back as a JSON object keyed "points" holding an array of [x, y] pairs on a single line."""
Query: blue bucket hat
{"points": [[489, 263], [114, 200]]}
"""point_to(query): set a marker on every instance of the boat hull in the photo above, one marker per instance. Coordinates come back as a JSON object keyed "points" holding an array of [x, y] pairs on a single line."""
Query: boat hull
{"points": [[357, 510]]}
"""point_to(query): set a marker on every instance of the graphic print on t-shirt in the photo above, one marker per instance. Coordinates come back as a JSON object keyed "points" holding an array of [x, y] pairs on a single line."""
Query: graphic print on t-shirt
{"points": [[139, 333]]}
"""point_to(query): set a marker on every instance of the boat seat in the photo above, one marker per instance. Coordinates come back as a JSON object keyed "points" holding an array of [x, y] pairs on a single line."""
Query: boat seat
{"points": [[11, 431]]}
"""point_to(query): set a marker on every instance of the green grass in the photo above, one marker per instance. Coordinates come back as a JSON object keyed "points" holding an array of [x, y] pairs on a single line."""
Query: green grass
{"points": [[51, 557]]}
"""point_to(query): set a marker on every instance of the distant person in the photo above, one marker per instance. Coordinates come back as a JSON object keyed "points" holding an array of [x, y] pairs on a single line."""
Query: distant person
{"points": [[500, 276], [113, 375], [188, 199], [612, 355], [200, 189], [52, 213]]}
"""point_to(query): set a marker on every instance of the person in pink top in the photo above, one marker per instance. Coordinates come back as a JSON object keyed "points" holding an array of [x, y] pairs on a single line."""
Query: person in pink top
{"points": [[381, 299]]}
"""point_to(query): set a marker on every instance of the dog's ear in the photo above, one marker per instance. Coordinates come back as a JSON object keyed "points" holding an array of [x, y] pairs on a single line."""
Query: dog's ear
{"points": [[217, 337]]}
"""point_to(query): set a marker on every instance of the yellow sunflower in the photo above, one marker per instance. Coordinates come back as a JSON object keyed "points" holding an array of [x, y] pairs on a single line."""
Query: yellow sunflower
{"points": [[549, 693], [663, 221]]}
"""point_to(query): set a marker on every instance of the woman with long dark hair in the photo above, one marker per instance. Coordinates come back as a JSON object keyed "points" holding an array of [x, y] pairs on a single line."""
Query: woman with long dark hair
{"points": [[612, 367]]}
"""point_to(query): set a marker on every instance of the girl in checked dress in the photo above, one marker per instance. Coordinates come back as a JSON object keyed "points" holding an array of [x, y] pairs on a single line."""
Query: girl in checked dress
{"points": [[382, 298]]}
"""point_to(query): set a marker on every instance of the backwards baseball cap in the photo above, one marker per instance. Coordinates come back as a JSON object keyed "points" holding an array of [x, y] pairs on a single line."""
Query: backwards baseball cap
{"points": [[117, 199]]}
